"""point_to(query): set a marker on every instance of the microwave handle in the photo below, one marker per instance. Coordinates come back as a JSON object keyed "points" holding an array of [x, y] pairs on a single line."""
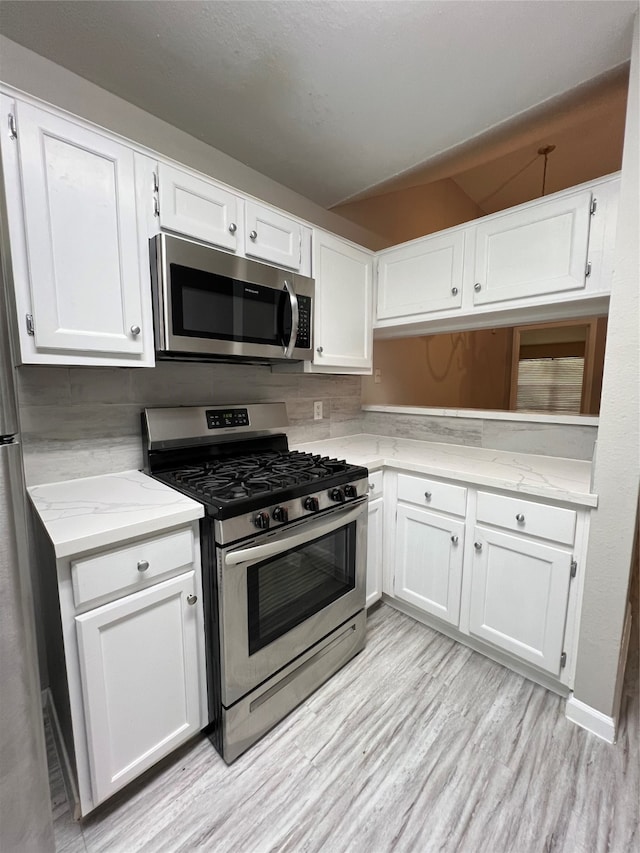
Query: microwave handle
{"points": [[295, 318], [280, 545]]}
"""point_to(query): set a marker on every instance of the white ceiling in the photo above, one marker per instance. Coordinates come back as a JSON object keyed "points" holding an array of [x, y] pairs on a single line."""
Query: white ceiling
{"points": [[330, 98]]}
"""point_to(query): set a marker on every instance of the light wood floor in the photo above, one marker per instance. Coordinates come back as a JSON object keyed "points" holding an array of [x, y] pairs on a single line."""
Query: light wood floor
{"points": [[418, 744]]}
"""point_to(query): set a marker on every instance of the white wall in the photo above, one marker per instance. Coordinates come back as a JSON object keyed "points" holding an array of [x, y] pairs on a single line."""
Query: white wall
{"points": [[617, 461]]}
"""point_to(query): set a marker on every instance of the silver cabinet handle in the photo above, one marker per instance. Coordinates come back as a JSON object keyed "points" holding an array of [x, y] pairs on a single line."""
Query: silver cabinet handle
{"points": [[427, 496], [233, 228], [253, 235], [320, 350], [371, 487], [454, 290], [477, 286], [477, 546], [191, 599], [520, 518], [143, 565], [454, 539], [135, 330]]}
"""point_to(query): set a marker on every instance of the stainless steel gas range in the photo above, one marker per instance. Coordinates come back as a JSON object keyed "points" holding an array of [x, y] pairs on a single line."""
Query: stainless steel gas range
{"points": [[283, 556]]}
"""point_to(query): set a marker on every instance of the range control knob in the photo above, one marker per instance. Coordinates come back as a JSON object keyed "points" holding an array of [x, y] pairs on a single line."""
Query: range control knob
{"points": [[350, 491], [261, 520], [337, 495], [280, 513], [312, 504]]}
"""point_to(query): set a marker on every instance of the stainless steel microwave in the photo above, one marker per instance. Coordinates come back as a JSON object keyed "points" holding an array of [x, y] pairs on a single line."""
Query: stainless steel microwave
{"points": [[210, 304]]}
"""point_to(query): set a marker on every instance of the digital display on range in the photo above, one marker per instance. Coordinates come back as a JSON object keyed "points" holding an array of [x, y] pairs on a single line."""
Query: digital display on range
{"points": [[224, 418]]}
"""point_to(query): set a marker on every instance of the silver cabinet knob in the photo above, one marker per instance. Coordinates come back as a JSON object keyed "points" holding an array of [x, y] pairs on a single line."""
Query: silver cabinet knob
{"points": [[371, 487], [427, 496], [454, 290], [454, 539], [143, 565], [233, 228], [320, 350], [477, 546], [477, 286], [253, 235], [191, 599], [520, 518], [135, 330]]}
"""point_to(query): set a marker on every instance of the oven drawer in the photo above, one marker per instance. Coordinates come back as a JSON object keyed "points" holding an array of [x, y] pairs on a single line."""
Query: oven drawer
{"points": [[129, 568], [433, 494], [523, 516]]}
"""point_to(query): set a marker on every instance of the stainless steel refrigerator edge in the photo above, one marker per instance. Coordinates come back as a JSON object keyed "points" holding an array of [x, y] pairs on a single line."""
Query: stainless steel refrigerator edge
{"points": [[25, 804]]}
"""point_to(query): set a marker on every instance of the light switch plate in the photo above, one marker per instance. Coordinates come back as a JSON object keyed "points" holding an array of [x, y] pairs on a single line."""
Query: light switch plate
{"points": [[317, 410]]}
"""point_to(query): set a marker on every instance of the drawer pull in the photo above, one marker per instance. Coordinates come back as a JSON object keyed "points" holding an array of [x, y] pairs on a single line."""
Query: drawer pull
{"points": [[253, 236], [233, 228], [143, 565], [477, 546], [371, 487], [191, 599], [427, 496], [520, 518], [454, 539]]}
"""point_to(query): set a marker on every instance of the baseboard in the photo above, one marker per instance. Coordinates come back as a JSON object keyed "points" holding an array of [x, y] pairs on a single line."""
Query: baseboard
{"points": [[70, 786], [589, 718]]}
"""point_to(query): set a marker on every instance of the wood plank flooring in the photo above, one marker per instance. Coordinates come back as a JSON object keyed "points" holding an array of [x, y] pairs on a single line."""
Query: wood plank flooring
{"points": [[418, 744]]}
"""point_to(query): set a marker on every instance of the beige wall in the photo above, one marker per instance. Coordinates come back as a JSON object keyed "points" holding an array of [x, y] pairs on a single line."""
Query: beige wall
{"points": [[410, 213], [460, 370]]}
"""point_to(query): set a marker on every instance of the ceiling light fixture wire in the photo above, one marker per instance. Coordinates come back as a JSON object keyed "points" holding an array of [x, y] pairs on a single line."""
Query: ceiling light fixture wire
{"points": [[542, 152]]}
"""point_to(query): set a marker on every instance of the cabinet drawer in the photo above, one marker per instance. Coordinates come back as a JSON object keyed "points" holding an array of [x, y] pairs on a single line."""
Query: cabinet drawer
{"points": [[122, 570], [542, 520], [432, 494], [375, 485]]}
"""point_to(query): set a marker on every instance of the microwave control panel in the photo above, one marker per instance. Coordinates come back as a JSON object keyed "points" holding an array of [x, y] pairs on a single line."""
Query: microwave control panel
{"points": [[304, 322], [225, 418]]}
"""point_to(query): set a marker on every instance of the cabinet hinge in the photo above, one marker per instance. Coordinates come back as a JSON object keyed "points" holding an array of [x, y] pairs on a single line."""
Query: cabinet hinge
{"points": [[574, 568], [156, 207], [300, 249], [587, 271], [156, 185], [29, 321], [563, 660], [594, 206], [13, 130], [156, 198]]}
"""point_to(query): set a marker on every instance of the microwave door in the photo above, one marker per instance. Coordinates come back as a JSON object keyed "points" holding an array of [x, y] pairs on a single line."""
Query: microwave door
{"points": [[289, 342]]}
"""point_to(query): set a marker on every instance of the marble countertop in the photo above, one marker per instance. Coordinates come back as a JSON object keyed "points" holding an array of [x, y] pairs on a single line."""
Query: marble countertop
{"points": [[561, 479], [95, 512]]}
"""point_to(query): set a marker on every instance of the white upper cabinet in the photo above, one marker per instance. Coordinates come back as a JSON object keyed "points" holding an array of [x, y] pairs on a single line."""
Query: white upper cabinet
{"points": [[197, 208], [537, 250], [421, 276], [343, 273], [272, 237], [82, 287]]}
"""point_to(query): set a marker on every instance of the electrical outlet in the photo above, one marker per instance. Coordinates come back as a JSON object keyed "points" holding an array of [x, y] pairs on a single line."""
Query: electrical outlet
{"points": [[377, 376], [317, 410]]}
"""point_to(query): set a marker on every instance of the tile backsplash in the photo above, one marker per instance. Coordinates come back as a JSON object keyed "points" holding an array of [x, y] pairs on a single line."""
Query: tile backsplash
{"points": [[81, 421]]}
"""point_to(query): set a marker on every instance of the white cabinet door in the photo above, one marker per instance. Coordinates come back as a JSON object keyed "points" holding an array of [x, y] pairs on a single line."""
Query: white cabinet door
{"points": [[429, 549], [539, 250], [422, 276], [519, 595], [141, 697], [86, 277], [198, 208], [272, 237], [374, 552], [343, 335]]}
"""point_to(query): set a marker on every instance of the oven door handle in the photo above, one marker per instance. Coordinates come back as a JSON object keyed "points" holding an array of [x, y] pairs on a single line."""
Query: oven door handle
{"points": [[295, 319], [279, 546]]}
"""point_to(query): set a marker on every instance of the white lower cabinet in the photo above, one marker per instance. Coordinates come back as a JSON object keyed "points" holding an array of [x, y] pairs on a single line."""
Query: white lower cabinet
{"points": [[140, 681], [374, 551], [428, 569], [519, 596]]}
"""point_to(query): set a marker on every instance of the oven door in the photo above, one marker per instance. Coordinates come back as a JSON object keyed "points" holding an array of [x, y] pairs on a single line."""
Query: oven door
{"points": [[281, 595], [211, 303]]}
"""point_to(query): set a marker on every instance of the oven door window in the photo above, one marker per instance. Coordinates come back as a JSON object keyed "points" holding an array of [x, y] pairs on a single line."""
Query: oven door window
{"points": [[285, 590], [207, 305]]}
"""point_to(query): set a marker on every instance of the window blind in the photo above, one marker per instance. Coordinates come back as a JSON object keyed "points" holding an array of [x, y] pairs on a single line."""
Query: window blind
{"points": [[550, 384]]}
